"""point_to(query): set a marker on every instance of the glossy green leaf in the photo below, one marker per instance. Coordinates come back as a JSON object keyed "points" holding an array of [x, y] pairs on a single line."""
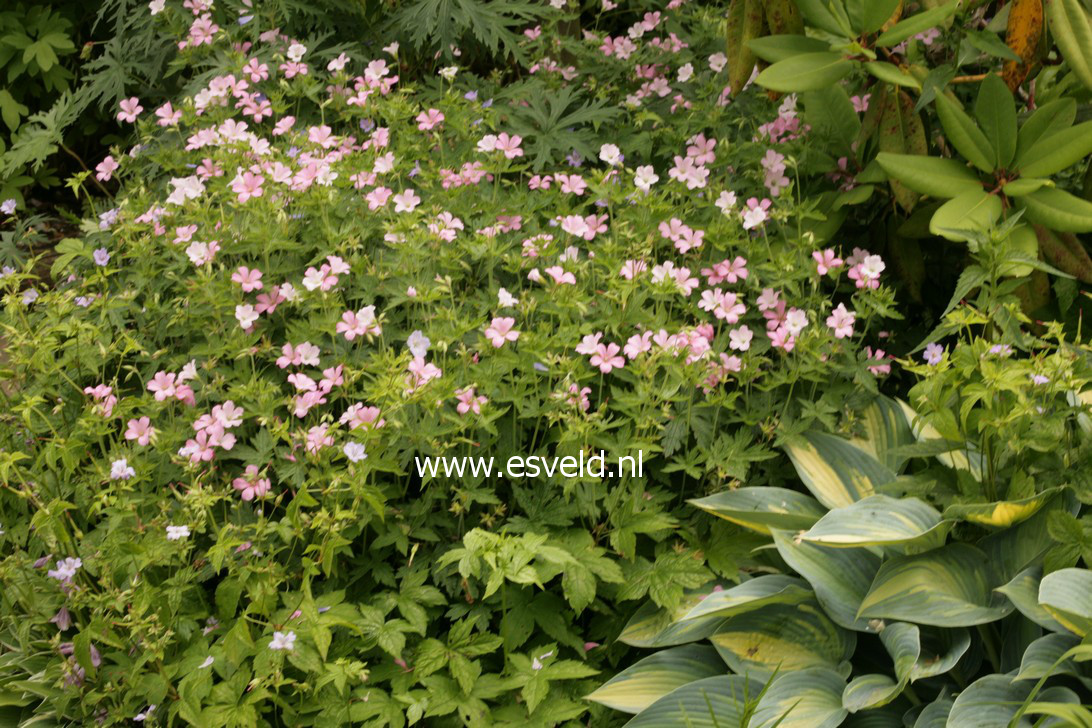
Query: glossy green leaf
{"points": [[1067, 595], [1057, 152], [892, 74], [989, 702], [1000, 514], [652, 626], [1072, 31], [835, 471], [974, 211], [1049, 119], [713, 702], [1058, 210], [1025, 186], [830, 114], [774, 48], [885, 430], [945, 178], [880, 520], [1046, 656], [946, 587], [761, 509], [783, 637], [995, 110], [840, 577], [821, 15], [917, 23], [870, 691], [805, 72], [935, 714], [1023, 591], [964, 134], [810, 698], [868, 16], [753, 594], [652, 677]]}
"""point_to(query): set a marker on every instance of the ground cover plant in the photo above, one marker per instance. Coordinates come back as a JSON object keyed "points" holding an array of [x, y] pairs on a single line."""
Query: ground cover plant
{"points": [[863, 410]]}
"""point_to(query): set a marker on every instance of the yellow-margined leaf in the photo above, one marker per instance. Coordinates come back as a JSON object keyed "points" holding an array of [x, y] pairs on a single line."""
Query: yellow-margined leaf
{"points": [[810, 698], [966, 458], [885, 430], [1000, 514], [642, 684], [1023, 591], [753, 594], [836, 472], [713, 702], [870, 691], [880, 520], [1046, 656], [652, 626], [761, 509], [1067, 595]]}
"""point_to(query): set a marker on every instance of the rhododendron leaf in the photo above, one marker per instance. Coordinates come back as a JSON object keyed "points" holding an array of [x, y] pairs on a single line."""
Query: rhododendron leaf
{"points": [[711, 702], [782, 16], [836, 472], [745, 19], [868, 16], [1056, 152], [1067, 595], [930, 175], [652, 677], [917, 23], [761, 509], [805, 72], [1051, 118], [880, 520], [971, 212], [783, 637], [995, 110], [753, 594], [774, 48], [964, 134], [1025, 186], [830, 17], [891, 74], [1071, 28], [830, 114], [809, 698], [1058, 210]]}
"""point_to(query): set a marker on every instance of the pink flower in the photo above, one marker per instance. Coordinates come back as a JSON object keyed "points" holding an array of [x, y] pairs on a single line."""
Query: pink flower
{"points": [[841, 320], [105, 169], [360, 416], [406, 201], [782, 338], [500, 331], [140, 430], [638, 344], [130, 109], [247, 185], [510, 145], [826, 261], [360, 323], [168, 115], [428, 120], [250, 486], [162, 385], [469, 401], [867, 272], [560, 275], [421, 373], [878, 355], [756, 213], [607, 358], [318, 439], [250, 280]]}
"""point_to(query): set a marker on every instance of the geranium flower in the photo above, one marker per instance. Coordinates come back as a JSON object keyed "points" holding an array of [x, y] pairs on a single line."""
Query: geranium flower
{"points": [[607, 358], [500, 331]]}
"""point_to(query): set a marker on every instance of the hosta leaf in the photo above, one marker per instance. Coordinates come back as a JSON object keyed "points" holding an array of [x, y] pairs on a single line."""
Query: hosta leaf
{"points": [[870, 691], [805, 72], [1056, 152], [782, 637], [920, 22], [966, 457], [642, 684], [964, 134], [1023, 591], [935, 714], [1042, 657], [946, 587], [753, 594], [713, 702], [774, 48], [835, 471], [651, 626], [840, 577], [1049, 119], [761, 509], [933, 176], [1058, 210], [886, 429], [810, 698], [880, 520], [1011, 550], [1000, 514], [989, 702], [995, 111], [1072, 31], [974, 211], [1067, 595]]}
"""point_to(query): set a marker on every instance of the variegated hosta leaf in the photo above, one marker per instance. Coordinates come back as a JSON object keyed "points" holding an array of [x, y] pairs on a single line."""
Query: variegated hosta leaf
{"points": [[840, 577], [990, 702], [1067, 595], [1000, 514], [945, 587], [836, 472], [967, 458], [1023, 592], [713, 702], [940, 651], [761, 509], [881, 520], [810, 698], [753, 594], [870, 691], [1011, 550], [652, 626], [1042, 656], [886, 429], [653, 677], [888, 717], [935, 714], [1064, 709], [785, 637]]}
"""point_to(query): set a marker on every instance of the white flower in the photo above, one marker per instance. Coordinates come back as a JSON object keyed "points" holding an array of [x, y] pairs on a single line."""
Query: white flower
{"points": [[686, 73], [185, 188], [283, 641], [557, 4], [8, 206], [717, 62], [176, 533], [610, 154], [448, 72], [872, 267], [506, 299], [795, 321], [155, 7], [354, 451], [246, 314], [536, 663], [296, 51], [740, 338], [337, 64], [121, 470], [726, 202], [66, 569], [487, 143], [392, 49], [207, 663], [645, 177], [418, 343], [144, 714]]}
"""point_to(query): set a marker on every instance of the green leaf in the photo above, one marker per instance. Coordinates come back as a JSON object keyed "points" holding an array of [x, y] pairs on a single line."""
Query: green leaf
{"points": [[946, 587], [892, 74], [835, 471], [990, 702], [755, 593], [988, 42], [81, 646], [782, 637], [829, 113], [1058, 210], [964, 134], [1072, 31], [1056, 152], [880, 520], [971, 212], [713, 702], [918, 23], [653, 677], [652, 626], [1067, 595], [935, 714], [11, 110], [826, 16], [870, 691], [995, 110], [1000, 514], [774, 48], [1050, 118], [761, 509], [805, 72], [809, 698], [840, 577], [1047, 656], [886, 430], [868, 16], [1025, 186], [930, 175]]}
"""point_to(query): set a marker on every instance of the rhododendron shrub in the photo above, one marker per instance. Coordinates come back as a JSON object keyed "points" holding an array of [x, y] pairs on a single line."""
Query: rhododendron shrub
{"points": [[313, 274]]}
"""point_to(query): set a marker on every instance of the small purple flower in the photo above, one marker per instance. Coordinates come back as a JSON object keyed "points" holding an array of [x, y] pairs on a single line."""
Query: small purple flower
{"points": [[8, 206], [933, 354], [574, 159], [1039, 379], [66, 569], [1001, 350], [471, 96], [101, 256]]}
